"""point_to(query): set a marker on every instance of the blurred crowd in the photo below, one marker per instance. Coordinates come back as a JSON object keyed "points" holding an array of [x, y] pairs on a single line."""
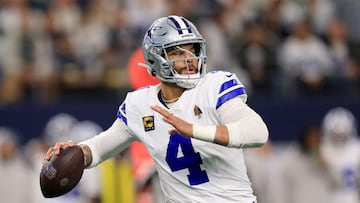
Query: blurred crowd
{"points": [[281, 49]]}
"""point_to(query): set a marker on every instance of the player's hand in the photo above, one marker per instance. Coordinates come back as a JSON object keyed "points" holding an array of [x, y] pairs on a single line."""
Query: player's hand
{"points": [[182, 127], [56, 149]]}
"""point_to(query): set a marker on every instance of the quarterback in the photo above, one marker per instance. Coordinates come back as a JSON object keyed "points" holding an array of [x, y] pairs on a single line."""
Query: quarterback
{"points": [[194, 124]]}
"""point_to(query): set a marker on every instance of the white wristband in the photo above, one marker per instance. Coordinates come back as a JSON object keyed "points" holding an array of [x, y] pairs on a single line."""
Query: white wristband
{"points": [[205, 133]]}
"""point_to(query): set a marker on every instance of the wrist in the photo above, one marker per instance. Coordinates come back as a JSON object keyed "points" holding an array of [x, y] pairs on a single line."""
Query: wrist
{"points": [[205, 133], [87, 155]]}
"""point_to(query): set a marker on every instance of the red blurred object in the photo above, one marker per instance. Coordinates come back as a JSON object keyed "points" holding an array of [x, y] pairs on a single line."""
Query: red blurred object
{"points": [[139, 76]]}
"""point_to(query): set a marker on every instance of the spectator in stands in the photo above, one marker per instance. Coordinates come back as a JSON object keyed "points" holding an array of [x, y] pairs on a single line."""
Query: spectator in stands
{"points": [[220, 55], [305, 62], [320, 12], [257, 57], [348, 12], [346, 69], [24, 66], [336, 37], [94, 23]]}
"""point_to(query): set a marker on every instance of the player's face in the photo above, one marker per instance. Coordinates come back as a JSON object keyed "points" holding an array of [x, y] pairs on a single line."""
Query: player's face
{"points": [[185, 59], [339, 138]]}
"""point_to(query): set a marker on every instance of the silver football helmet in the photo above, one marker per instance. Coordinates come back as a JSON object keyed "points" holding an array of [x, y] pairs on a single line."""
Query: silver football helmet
{"points": [[167, 32], [339, 125]]}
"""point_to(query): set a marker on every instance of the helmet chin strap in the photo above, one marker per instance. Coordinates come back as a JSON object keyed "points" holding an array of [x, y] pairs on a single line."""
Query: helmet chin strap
{"points": [[189, 84]]}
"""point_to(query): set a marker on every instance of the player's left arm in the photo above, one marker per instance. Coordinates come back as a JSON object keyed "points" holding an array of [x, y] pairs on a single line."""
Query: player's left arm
{"points": [[244, 128]]}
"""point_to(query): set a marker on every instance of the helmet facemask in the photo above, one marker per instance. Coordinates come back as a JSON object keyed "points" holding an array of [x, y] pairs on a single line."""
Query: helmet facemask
{"points": [[188, 80]]}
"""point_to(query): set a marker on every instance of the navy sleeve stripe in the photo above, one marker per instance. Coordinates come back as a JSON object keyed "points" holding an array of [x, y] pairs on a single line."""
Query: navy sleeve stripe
{"points": [[123, 108], [120, 114], [123, 118], [226, 97], [227, 85]]}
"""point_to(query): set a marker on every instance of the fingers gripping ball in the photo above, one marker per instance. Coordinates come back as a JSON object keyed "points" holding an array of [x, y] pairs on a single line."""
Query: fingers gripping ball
{"points": [[62, 173]]}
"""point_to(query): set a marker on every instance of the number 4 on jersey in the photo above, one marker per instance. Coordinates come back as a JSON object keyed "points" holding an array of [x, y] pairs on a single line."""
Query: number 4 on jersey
{"points": [[190, 159]]}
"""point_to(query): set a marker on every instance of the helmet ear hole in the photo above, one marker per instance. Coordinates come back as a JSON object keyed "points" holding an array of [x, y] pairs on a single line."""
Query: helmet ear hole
{"points": [[197, 47], [151, 61], [153, 73]]}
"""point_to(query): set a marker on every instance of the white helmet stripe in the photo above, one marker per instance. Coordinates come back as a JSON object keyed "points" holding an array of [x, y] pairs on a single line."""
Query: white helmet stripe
{"points": [[180, 24]]}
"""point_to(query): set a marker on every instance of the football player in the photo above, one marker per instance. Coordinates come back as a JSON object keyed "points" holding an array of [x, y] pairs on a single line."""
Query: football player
{"points": [[193, 123], [341, 153]]}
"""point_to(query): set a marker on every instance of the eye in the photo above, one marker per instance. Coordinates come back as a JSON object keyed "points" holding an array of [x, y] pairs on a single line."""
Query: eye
{"points": [[181, 51], [175, 52]]}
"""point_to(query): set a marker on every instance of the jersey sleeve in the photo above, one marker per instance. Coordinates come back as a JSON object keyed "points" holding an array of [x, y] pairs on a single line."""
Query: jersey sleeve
{"points": [[134, 108], [245, 126], [109, 142], [129, 106], [227, 87], [121, 114]]}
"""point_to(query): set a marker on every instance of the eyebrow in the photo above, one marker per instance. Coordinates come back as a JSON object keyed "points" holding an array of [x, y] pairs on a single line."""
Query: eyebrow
{"points": [[176, 47]]}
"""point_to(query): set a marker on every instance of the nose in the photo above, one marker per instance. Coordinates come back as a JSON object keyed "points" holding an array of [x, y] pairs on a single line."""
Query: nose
{"points": [[189, 59], [188, 54]]}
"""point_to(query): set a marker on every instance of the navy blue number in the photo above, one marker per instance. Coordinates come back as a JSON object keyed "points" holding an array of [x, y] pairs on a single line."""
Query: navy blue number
{"points": [[349, 178], [190, 159]]}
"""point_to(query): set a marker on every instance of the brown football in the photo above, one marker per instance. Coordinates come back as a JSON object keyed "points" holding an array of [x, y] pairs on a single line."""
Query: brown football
{"points": [[62, 173]]}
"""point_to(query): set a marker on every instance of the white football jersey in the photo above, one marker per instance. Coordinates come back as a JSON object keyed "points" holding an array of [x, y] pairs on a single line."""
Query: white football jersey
{"points": [[191, 170], [343, 164]]}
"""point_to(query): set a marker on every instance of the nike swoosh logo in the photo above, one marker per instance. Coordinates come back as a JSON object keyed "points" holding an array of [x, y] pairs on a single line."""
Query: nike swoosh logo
{"points": [[229, 74]]}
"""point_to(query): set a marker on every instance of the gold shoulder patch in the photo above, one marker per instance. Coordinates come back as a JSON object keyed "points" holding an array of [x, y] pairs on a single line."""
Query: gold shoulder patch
{"points": [[148, 122]]}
